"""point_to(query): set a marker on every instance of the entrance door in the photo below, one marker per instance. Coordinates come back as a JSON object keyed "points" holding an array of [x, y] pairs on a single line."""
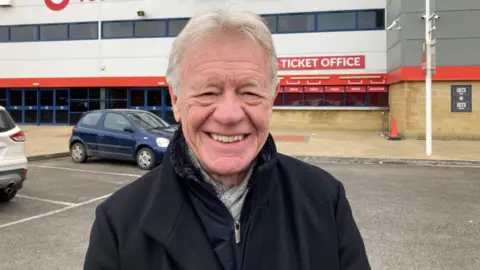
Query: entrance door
{"points": [[30, 106], [23, 105], [54, 106], [147, 99]]}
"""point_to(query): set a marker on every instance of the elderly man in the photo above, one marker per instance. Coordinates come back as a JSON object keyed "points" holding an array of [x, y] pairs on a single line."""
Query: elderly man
{"points": [[223, 197]]}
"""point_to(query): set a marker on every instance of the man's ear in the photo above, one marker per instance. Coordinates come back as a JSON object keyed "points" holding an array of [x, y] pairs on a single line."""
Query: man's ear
{"points": [[174, 99]]}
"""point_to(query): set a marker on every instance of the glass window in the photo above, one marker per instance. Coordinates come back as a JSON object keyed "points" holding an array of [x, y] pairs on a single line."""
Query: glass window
{"points": [[83, 31], [296, 23], [116, 122], [53, 32], [23, 33], [117, 29], [117, 93], [271, 22], [147, 120], [154, 98], [356, 99], [3, 33], [371, 19], [91, 119], [176, 26], [336, 21], [78, 93], [314, 99], [378, 99], [6, 121], [150, 29]]}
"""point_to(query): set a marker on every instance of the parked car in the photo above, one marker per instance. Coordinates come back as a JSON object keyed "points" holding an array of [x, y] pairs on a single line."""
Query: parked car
{"points": [[13, 162], [121, 134]]}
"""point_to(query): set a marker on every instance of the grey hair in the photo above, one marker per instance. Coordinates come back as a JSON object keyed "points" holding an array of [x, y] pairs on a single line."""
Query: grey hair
{"points": [[245, 23]]}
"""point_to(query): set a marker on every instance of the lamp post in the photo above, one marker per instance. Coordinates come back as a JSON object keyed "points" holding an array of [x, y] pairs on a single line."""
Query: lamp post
{"points": [[430, 18]]}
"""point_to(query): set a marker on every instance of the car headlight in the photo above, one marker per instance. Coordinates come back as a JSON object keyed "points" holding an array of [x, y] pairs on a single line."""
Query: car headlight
{"points": [[162, 142]]}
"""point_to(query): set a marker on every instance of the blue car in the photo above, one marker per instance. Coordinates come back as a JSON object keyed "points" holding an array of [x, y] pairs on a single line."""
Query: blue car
{"points": [[121, 134]]}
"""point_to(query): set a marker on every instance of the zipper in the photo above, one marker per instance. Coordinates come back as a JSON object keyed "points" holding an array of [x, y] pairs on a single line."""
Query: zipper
{"points": [[238, 235]]}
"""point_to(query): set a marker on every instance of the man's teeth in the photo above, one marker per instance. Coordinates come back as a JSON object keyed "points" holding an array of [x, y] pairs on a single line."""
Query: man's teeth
{"points": [[227, 139]]}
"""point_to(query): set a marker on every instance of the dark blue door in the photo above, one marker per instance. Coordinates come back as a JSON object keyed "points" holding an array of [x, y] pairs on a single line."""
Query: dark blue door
{"points": [[113, 139]]}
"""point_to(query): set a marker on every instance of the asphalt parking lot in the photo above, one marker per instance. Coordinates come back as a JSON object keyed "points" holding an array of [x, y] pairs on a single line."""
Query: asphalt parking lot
{"points": [[411, 217], [48, 224]]}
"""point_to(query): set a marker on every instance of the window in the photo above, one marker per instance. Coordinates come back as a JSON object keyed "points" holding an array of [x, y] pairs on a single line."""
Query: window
{"points": [[91, 119], [3, 33], [271, 22], [150, 29], [176, 26], [83, 31], [117, 29], [6, 121], [116, 122], [147, 120], [371, 19], [296, 23], [314, 96], [24, 33], [293, 96], [336, 21], [53, 32]]}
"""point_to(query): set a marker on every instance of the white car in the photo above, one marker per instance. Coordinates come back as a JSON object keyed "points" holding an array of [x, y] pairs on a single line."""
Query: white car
{"points": [[13, 163]]}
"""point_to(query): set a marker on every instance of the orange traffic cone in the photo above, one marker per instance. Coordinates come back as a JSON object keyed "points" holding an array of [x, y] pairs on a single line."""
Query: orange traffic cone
{"points": [[393, 131]]}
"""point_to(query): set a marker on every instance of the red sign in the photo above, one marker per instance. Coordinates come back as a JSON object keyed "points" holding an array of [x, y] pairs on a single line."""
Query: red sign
{"points": [[334, 89], [313, 89], [381, 88], [356, 89], [290, 89], [321, 62]]}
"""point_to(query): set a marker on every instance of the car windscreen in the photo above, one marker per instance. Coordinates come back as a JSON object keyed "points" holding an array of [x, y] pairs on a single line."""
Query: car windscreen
{"points": [[6, 121], [147, 120]]}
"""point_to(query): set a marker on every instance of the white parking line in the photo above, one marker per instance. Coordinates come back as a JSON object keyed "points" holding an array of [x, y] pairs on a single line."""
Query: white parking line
{"points": [[44, 200], [86, 171], [54, 212]]}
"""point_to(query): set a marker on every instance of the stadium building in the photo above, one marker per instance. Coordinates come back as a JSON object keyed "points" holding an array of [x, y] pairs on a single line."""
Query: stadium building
{"points": [[340, 67]]}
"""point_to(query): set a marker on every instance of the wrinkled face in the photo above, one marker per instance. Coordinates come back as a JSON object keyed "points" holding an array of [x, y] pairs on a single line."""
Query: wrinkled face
{"points": [[225, 101]]}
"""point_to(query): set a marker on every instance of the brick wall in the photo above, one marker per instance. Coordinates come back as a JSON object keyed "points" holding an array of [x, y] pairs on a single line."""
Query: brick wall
{"points": [[300, 120], [407, 105]]}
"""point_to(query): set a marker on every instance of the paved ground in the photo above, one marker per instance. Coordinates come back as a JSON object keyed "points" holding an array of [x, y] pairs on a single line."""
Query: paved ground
{"points": [[411, 217], [43, 140]]}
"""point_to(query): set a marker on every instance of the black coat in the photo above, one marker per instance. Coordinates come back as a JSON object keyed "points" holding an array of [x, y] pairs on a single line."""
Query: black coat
{"points": [[298, 218]]}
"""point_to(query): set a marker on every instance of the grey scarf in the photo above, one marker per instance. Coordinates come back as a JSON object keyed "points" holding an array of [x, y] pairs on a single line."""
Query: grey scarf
{"points": [[232, 197]]}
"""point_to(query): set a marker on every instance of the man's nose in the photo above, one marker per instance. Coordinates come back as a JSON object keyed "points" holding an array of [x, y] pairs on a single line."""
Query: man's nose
{"points": [[229, 110]]}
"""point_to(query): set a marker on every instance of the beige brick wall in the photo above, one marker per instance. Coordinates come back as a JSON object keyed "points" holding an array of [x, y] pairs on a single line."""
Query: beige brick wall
{"points": [[298, 120], [407, 105]]}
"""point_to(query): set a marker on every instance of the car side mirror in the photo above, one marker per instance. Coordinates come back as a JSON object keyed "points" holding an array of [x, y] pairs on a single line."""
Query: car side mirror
{"points": [[129, 130]]}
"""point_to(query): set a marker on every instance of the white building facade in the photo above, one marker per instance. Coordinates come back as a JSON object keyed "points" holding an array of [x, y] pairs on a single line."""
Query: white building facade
{"points": [[59, 58]]}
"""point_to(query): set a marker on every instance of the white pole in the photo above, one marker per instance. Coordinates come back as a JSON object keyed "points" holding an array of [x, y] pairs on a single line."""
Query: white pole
{"points": [[428, 80]]}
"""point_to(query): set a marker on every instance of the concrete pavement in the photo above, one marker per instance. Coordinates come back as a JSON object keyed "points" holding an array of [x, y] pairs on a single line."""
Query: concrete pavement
{"points": [[411, 217], [42, 140]]}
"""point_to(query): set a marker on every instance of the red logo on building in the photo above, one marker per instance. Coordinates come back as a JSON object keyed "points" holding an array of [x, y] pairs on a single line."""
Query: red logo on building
{"points": [[57, 5]]}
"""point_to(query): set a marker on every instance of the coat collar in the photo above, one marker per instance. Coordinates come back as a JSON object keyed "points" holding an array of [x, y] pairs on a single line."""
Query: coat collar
{"points": [[171, 219]]}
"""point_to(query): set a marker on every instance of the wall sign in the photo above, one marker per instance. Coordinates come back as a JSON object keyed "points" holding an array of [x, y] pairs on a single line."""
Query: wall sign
{"points": [[322, 62], [58, 5], [461, 96]]}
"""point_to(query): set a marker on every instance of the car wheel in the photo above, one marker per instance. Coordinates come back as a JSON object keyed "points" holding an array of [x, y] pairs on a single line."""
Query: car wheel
{"points": [[7, 196], [145, 159], [78, 153]]}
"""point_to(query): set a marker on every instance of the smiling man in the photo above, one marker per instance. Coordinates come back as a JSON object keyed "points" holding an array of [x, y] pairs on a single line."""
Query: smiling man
{"points": [[223, 197]]}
